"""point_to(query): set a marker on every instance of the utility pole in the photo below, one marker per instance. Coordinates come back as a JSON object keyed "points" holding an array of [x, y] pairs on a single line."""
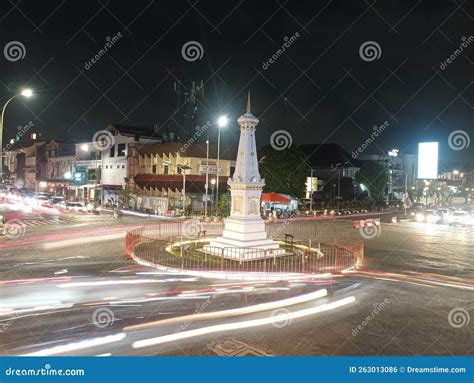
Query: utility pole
{"points": [[206, 186]]}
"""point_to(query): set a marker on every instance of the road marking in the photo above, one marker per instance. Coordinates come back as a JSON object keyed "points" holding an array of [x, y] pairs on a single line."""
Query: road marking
{"points": [[235, 347]]}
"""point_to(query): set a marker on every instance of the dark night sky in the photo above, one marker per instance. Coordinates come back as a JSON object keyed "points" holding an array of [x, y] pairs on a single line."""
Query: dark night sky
{"points": [[320, 90]]}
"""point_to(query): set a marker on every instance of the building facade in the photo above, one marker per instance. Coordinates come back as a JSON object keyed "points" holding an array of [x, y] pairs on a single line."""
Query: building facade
{"points": [[165, 169]]}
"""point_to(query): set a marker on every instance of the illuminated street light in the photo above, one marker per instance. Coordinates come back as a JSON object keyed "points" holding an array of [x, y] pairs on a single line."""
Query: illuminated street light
{"points": [[25, 93], [85, 147], [221, 123], [393, 152]]}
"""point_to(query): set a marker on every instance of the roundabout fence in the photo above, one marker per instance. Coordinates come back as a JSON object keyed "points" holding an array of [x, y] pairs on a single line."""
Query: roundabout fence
{"points": [[176, 245]]}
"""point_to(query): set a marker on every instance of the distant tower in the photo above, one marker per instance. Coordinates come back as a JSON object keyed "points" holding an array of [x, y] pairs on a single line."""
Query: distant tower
{"points": [[245, 228], [192, 99]]}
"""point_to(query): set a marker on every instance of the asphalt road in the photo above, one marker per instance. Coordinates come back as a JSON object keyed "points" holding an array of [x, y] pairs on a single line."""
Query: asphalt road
{"points": [[66, 289]]}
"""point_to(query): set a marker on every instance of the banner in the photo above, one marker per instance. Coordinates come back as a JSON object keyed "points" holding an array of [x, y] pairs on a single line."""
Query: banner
{"points": [[238, 369]]}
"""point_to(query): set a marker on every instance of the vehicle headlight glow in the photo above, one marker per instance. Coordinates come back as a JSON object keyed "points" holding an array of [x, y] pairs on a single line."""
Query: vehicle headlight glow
{"points": [[420, 217]]}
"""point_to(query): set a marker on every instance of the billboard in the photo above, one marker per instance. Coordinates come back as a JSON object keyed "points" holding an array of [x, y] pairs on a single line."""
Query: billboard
{"points": [[428, 160]]}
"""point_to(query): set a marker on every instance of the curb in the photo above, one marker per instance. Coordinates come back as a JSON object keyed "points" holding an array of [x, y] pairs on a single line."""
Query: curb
{"points": [[232, 276]]}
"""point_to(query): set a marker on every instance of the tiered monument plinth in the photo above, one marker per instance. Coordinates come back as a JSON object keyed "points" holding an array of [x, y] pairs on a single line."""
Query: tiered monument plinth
{"points": [[244, 236]]}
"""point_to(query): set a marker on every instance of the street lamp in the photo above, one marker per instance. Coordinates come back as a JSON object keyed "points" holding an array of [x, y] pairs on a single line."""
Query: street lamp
{"points": [[221, 123], [183, 172], [206, 186], [213, 184], [392, 153], [25, 93]]}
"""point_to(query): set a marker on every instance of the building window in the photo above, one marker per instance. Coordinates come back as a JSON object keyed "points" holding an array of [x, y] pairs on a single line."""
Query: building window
{"points": [[153, 169], [118, 166], [121, 150], [112, 151], [165, 169], [123, 166]]}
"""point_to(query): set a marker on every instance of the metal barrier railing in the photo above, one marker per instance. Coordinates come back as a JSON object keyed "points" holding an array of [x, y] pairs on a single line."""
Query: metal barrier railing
{"points": [[153, 244]]}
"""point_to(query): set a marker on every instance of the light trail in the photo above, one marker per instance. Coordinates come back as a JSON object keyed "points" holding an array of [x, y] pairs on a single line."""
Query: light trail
{"points": [[107, 283], [233, 312], [79, 345], [241, 325]]}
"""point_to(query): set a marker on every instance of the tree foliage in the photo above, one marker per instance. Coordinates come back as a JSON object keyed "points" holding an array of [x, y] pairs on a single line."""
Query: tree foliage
{"points": [[285, 171], [374, 176]]}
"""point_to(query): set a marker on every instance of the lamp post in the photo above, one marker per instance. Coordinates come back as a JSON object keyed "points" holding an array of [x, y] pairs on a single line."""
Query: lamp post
{"points": [[213, 184], [406, 189], [206, 186], [221, 123], [183, 172], [392, 153], [25, 93]]}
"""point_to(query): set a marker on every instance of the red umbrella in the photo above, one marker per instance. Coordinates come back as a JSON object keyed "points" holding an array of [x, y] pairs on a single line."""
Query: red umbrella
{"points": [[275, 197]]}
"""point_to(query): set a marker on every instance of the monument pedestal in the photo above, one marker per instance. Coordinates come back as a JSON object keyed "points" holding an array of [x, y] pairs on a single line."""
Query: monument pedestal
{"points": [[245, 239]]}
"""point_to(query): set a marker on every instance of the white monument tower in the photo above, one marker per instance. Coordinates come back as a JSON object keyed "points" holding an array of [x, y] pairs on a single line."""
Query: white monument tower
{"points": [[245, 228]]}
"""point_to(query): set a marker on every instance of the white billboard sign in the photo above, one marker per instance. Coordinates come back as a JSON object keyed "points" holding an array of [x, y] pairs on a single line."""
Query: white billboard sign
{"points": [[428, 160]]}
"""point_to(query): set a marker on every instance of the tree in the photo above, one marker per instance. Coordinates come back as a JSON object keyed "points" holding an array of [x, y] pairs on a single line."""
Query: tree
{"points": [[285, 171], [374, 176], [224, 205]]}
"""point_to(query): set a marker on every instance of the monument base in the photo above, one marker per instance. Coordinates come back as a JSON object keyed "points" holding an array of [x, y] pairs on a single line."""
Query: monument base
{"points": [[244, 240]]}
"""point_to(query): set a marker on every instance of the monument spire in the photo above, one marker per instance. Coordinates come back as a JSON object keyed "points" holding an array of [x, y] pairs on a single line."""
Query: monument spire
{"points": [[248, 110]]}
